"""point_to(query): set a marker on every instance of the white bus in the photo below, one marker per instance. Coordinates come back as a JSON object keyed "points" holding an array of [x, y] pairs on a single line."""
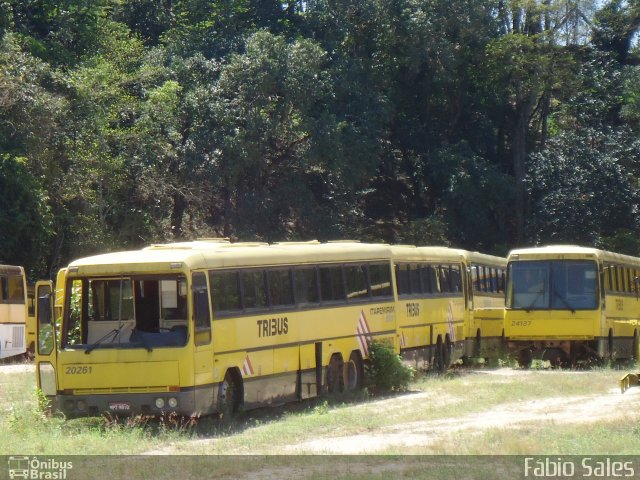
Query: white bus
{"points": [[13, 311]]}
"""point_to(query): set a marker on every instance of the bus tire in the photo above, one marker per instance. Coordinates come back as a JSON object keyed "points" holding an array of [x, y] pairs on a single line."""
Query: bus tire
{"points": [[525, 358], [353, 373], [446, 352], [228, 397], [438, 360], [477, 348], [334, 374]]}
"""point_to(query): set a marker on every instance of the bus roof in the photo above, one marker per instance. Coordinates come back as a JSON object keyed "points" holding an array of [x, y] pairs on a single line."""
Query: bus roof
{"points": [[195, 255], [435, 254], [559, 252], [11, 270]]}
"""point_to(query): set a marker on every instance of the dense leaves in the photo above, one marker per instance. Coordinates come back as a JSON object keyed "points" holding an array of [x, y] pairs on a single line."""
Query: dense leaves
{"points": [[482, 124]]}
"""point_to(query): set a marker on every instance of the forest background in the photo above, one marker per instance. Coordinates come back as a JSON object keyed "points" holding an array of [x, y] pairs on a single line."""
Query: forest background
{"points": [[481, 124]]}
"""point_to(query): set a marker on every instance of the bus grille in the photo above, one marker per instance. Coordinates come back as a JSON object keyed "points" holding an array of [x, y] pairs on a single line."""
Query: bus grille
{"points": [[18, 337]]}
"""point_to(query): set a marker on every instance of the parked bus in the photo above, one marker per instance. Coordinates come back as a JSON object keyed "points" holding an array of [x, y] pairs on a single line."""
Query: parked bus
{"points": [[30, 328], [13, 311], [450, 305], [208, 326], [570, 305]]}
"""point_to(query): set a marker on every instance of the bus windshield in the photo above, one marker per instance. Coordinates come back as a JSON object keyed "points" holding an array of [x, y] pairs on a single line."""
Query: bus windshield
{"points": [[106, 312], [556, 284]]}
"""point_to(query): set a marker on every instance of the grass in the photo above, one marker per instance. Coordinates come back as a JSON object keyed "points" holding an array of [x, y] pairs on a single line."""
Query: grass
{"points": [[431, 414]]}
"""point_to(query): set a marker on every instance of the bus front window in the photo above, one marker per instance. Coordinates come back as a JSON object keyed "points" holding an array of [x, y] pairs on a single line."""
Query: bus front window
{"points": [[126, 311], [557, 284]]}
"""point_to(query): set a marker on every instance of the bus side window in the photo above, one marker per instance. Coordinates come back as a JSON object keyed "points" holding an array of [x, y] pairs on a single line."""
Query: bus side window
{"points": [[456, 279], [225, 291], [414, 279], [254, 292], [201, 317], [380, 280], [331, 284], [356, 282], [402, 277], [280, 290], [4, 290], [306, 286], [16, 290], [429, 279]]}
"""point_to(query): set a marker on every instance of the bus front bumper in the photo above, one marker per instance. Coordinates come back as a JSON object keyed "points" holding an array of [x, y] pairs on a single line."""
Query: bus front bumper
{"points": [[194, 402]]}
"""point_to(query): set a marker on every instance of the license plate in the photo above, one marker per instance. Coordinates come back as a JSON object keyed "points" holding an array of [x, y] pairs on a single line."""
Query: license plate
{"points": [[119, 407]]}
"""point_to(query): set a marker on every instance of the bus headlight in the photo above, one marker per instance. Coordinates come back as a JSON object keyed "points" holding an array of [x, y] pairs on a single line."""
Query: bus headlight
{"points": [[173, 402], [159, 403], [82, 405]]}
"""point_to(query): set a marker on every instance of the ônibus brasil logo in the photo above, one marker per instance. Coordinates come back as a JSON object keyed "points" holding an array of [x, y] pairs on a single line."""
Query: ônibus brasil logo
{"points": [[40, 469]]}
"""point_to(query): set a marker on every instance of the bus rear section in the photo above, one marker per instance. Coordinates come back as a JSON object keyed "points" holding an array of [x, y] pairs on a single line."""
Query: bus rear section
{"points": [[13, 311], [484, 333], [431, 305], [557, 304]]}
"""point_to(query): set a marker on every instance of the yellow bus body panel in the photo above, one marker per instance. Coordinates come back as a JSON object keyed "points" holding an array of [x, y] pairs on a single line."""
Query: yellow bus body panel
{"points": [[552, 324]]}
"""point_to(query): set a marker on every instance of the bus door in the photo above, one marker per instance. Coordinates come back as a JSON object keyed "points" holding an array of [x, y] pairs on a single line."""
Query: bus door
{"points": [[46, 351], [201, 324]]}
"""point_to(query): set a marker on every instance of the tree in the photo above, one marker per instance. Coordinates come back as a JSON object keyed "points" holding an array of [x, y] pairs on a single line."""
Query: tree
{"points": [[25, 219], [580, 188], [265, 132]]}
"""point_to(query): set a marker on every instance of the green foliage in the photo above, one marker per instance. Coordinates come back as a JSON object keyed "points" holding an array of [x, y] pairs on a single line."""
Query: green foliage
{"points": [[581, 189], [23, 212], [385, 369], [125, 122]]}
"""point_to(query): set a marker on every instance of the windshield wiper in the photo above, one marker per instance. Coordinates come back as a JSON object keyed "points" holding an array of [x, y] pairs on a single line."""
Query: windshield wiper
{"points": [[531, 305], [565, 301], [111, 333]]}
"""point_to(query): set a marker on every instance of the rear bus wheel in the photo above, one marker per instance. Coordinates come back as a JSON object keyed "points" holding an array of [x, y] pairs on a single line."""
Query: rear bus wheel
{"points": [[438, 361], [334, 374], [353, 373]]}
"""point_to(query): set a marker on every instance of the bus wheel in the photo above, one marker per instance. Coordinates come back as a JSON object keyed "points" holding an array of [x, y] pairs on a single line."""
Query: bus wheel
{"points": [[438, 362], [446, 353], [556, 357], [477, 348], [525, 357], [228, 399], [334, 374], [353, 373]]}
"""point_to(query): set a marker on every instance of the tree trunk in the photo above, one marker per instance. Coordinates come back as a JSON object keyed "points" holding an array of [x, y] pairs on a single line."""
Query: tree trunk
{"points": [[519, 155], [179, 206]]}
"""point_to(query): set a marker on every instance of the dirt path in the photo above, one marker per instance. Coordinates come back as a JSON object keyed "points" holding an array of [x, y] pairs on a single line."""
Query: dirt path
{"points": [[561, 410]]}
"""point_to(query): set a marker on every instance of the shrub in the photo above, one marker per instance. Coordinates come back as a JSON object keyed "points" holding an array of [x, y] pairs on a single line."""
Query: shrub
{"points": [[385, 369]]}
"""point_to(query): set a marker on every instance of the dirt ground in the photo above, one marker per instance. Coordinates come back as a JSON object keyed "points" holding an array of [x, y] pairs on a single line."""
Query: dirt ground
{"points": [[561, 410]]}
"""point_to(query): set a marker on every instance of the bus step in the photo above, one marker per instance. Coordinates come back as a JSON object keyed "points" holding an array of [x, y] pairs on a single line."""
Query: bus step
{"points": [[628, 381]]}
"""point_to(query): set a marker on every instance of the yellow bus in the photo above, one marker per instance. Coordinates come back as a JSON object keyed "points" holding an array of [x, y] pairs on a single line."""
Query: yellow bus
{"points": [[450, 304], [30, 332], [572, 305], [13, 311], [209, 326]]}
